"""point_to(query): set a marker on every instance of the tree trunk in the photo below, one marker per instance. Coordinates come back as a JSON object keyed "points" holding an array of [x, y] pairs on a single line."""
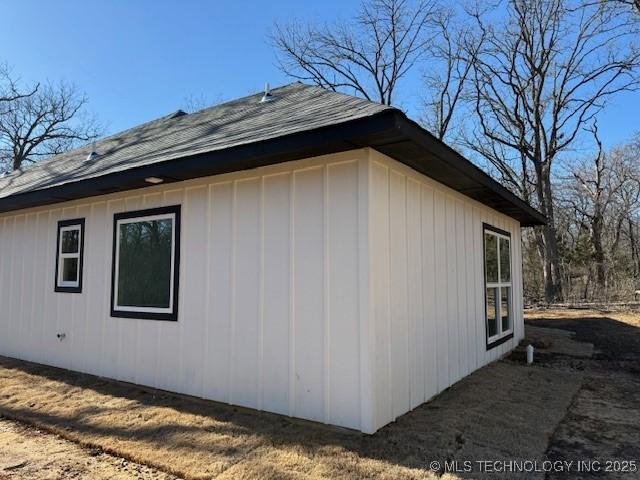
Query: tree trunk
{"points": [[598, 248], [635, 255], [551, 259], [551, 266], [585, 293]]}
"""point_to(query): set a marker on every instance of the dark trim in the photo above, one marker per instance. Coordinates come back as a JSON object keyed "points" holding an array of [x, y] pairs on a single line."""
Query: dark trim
{"points": [[68, 223], [172, 316], [389, 132], [500, 341], [506, 338], [447, 166], [491, 228], [484, 286]]}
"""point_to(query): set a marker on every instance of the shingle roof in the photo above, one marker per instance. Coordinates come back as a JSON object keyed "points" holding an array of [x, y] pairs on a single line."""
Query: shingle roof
{"points": [[296, 107], [302, 121]]}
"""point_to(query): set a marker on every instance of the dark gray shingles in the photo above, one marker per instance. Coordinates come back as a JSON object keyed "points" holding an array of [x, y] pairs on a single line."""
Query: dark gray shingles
{"points": [[295, 108]]}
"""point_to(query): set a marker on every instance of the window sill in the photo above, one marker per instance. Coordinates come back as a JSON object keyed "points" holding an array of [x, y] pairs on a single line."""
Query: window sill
{"points": [[499, 341], [68, 289], [170, 317]]}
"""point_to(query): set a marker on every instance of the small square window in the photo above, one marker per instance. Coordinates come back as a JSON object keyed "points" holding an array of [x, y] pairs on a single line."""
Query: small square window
{"points": [[505, 308], [70, 240], [491, 257], [505, 260], [69, 253], [492, 312], [70, 270]]}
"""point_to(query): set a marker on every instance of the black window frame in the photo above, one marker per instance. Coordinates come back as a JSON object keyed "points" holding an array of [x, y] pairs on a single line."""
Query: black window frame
{"points": [[490, 345], [168, 316], [79, 222]]}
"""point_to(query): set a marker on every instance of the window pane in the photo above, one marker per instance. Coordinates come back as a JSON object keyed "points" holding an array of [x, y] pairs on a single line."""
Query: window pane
{"points": [[491, 257], [492, 319], [70, 241], [144, 264], [505, 308], [505, 260], [69, 269]]}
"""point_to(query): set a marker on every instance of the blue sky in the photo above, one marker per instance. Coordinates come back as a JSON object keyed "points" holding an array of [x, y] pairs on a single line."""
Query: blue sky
{"points": [[138, 60]]}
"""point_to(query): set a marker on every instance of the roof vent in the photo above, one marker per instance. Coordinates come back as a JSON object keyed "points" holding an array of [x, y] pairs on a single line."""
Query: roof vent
{"points": [[178, 113], [92, 154], [267, 97]]}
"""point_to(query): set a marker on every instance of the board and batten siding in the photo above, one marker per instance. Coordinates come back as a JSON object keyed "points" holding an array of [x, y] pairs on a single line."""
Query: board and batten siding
{"points": [[428, 313], [269, 300], [346, 289]]}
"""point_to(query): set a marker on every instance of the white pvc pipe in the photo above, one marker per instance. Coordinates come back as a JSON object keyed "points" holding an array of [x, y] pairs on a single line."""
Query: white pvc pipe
{"points": [[529, 354]]}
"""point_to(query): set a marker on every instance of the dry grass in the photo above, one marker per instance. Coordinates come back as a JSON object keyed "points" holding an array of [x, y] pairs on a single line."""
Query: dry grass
{"points": [[630, 317], [28, 453], [505, 410]]}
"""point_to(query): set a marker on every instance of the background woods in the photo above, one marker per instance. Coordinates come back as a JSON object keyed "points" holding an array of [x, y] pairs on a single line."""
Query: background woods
{"points": [[598, 229]]}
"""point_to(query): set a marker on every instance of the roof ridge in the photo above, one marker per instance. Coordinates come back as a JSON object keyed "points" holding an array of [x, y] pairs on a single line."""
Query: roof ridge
{"points": [[242, 99]]}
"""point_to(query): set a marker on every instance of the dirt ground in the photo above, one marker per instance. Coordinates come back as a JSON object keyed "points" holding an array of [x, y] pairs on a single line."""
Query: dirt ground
{"points": [[581, 400], [603, 422]]}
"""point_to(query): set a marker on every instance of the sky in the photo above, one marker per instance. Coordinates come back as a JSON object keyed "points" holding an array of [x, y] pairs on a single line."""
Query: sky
{"points": [[139, 60]]}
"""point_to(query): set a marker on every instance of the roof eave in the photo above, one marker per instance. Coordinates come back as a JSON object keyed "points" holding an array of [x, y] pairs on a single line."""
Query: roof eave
{"points": [[335, 138], [439, 160], [389, 132]]}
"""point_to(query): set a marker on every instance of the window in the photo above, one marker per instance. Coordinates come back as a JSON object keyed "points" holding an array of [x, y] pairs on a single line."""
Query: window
{"points": [[69, 252], [146, 261], [497, 270]]}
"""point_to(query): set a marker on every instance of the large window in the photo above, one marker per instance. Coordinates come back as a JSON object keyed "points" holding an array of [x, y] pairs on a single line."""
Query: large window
{"points": [[69, 253], [497, 269], [146, 263]]}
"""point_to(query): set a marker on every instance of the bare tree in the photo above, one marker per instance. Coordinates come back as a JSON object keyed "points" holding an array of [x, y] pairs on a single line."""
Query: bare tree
{"points": [[9, 90], [634, 4], [47, 120], [599, 204], [595, 189], [543, 73], [446, 76], [368, 55], [627, 164], [192, 103]]}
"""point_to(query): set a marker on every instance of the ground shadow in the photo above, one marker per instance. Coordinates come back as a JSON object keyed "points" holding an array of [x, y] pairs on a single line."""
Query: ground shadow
{"points": [[488, 415], [603, 421], [616, 343]]}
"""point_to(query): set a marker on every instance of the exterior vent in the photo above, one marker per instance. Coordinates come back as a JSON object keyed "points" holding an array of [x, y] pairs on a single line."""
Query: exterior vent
{"points": [[92, 154], [178, 113], [267, 97]]}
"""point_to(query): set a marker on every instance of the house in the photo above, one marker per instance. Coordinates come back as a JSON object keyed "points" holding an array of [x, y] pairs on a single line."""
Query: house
{"points": [[307, 253]]}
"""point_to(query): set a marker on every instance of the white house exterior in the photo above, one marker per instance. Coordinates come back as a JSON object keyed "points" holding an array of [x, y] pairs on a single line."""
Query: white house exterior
{"points": [[345, 288]]}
